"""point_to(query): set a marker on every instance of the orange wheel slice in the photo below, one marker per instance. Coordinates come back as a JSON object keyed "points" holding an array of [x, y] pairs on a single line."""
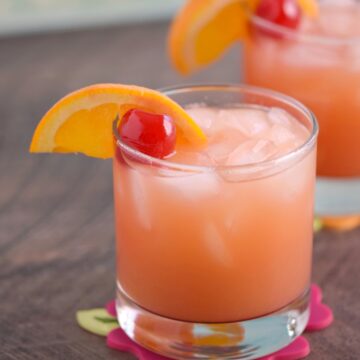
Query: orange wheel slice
{"points": [[203, 30], [81, 122]]}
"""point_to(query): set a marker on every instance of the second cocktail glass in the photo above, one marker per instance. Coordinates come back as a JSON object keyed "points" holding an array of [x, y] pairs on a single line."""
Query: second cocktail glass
{"points": [[318, 64]]}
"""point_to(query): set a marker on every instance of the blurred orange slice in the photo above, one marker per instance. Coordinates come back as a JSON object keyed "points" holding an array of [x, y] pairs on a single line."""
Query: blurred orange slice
{"points": [[341, 223], [203, 30], [81, 122]]}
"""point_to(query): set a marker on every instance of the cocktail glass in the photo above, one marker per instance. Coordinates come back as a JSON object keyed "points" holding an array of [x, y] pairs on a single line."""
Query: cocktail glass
{"points": [[215, 261]]}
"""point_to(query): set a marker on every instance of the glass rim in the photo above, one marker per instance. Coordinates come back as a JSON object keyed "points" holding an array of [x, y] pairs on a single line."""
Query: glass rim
{"points": [[293, 34], [275, 162]]}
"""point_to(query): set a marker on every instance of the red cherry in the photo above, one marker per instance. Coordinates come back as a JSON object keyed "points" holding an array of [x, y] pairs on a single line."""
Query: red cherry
{"points": [[152, 134], [281, 12]]}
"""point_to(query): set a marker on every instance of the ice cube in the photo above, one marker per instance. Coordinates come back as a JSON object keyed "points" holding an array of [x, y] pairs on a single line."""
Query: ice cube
{"points": [[226, 142], [251, 151], [215, 245], [342, 15], [192, 158], [204, 117], [138, 189], [279, 116], [281, 134], [193, 186], [295, 181], [229, 220], [250, 122], [218, 152]]}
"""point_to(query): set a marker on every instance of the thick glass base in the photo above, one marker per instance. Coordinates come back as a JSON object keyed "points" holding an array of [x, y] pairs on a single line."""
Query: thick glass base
{"points": [[248, 339], [337, 197]]}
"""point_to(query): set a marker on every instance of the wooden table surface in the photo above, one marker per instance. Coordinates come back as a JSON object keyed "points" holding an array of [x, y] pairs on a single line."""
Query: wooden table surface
{"points": [[57, 236]]}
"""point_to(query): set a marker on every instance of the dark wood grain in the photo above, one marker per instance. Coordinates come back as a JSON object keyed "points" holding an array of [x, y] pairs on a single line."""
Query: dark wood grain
{"points": [[57, 239]]}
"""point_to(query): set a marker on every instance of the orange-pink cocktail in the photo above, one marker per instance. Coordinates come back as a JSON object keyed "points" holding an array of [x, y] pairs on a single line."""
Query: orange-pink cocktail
{"points": [[318, 63], [220, 234]]}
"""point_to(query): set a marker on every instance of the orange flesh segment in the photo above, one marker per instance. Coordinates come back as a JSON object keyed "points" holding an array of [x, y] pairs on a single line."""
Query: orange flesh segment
{"points": [[203, 30], [309, 7], [78, 131], [230, 20], [82, 121]]}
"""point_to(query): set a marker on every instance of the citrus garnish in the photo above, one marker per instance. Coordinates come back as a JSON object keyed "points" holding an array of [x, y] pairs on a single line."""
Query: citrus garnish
{"points": [[341, 223], [204, 29], [81, 122], [97, 321], [309, 7]]}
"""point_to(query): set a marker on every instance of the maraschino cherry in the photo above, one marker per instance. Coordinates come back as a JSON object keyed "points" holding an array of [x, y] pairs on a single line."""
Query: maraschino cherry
{"points": [[281, 12], [152, 134]]}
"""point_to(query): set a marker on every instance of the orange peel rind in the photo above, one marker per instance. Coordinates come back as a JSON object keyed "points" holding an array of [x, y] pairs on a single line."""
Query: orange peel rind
{"points": [[81, 122]]}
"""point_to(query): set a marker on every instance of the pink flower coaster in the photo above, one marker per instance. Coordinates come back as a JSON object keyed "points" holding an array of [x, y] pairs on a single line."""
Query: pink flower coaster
{"points": [[111, 308], [321, 317], [118, 340]]}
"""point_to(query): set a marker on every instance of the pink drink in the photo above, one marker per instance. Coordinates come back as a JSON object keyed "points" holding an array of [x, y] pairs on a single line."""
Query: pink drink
{"points": [[319, 64], [214, 244], [230, 238], [242, 135]]}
